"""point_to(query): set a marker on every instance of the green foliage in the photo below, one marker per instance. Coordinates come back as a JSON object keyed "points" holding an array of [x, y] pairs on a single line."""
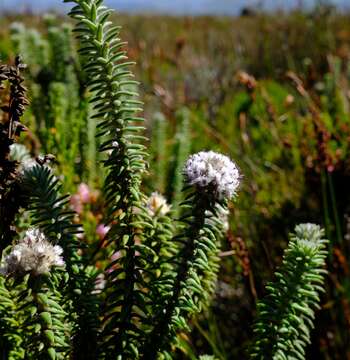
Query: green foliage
{"points": [[11, 336], [287, 313], [182, 149], [159, 152], [33, 322], [194, 276], [31, 45], [60, 108], [46, 327], [115, 108], [48, 211]]}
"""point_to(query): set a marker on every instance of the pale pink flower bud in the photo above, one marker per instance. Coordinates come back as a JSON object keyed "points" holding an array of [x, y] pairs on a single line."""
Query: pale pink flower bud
{"points": [[102, 230], [84, 193]]}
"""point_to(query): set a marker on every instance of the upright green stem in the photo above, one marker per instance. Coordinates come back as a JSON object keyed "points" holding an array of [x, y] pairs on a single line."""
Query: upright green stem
{"points": [[163, 320], [325, 203], [334, 208]]}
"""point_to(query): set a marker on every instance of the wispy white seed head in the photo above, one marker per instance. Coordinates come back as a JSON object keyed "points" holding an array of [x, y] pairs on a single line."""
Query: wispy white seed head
{"points": [[33, 254], [212, 171], [157, 204]]}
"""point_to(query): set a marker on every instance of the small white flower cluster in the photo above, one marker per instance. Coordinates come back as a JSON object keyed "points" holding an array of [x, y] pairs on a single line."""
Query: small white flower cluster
{"points": [[157, 204], [210, 170], [33, 254]]}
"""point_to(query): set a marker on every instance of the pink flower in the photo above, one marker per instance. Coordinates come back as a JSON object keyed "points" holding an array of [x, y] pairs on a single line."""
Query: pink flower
{"points": [[76, 203], [83, 196], [116, 256], [102, 230], [84, 193]]}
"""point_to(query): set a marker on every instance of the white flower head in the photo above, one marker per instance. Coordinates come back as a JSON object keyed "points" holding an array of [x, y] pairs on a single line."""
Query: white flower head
{"points": [[157, 204], [33, 254], [212, 171]]}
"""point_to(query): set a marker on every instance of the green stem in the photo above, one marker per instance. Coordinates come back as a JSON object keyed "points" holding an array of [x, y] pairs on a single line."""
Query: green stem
{"points": [[163, 325], [211, 342], [325, 203], [334, 208]]}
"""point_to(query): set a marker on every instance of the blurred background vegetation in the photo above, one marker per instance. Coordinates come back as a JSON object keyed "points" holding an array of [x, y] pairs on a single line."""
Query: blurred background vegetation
{"points": [[270, 90]]}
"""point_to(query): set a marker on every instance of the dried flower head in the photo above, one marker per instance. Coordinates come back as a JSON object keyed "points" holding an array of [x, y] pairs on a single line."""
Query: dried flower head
{"points": [[247, 80], [157, 204], [212, 171], [33, 254]]}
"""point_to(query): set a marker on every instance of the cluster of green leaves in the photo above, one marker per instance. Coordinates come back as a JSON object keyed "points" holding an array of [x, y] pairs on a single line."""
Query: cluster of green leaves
{"points": [[286, 314], [59, 112], [115, 108], [61, 307], [37, 309], [168, 154]]}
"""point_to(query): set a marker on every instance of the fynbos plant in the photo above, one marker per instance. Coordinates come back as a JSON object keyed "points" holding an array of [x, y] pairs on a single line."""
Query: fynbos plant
{"points": [[60, 300], [286, 314]]}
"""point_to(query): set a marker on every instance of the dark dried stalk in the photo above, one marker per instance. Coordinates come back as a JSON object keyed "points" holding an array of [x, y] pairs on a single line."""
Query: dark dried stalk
{"points": [[10, 128]]}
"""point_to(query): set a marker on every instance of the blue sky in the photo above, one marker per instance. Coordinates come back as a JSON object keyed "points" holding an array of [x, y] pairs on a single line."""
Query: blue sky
{"points": [[229, 7]]}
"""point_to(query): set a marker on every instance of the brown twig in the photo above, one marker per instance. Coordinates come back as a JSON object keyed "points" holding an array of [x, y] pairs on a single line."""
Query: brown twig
{"points": [[240, 250]]}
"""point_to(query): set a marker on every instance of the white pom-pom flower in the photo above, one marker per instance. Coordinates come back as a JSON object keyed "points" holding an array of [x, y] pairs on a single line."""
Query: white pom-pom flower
{"points": [[157, 204], [33, 254], [212, 171]]}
